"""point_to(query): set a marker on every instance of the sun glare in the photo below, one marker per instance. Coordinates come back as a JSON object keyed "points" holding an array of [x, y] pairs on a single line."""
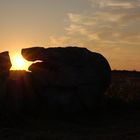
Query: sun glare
{"points": [[19, 63]]}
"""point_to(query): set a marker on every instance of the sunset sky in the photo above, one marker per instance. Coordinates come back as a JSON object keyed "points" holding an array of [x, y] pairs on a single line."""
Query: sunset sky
{"points": [[110, 27]]}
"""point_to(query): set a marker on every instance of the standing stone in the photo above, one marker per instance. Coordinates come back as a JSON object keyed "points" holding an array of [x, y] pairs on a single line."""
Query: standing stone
{"points": [[5, 63], [69, 79]]}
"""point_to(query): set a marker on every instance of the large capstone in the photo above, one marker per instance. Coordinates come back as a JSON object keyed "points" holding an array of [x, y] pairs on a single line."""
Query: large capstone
{"points": [[68, 79]]}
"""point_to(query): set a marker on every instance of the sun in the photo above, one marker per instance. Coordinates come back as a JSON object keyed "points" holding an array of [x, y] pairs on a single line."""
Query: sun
{"points": [[19, 63]]}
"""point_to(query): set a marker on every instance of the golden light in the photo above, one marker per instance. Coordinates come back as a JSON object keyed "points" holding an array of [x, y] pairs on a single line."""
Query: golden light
{"points": [[19, 63]]}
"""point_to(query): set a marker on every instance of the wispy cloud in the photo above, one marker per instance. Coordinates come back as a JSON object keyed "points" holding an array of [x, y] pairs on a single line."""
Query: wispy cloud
{"points": [[111, 27], [109, 24], [63, 41], [125, 4]]}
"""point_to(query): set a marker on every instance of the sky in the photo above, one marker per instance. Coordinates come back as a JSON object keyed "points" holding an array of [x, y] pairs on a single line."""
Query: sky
{"points": [[110, 27]]}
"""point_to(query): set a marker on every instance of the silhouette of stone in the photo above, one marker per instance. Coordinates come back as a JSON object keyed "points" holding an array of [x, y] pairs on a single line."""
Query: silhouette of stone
{"points": [[20, 93], [69, 79], [5, 63]]}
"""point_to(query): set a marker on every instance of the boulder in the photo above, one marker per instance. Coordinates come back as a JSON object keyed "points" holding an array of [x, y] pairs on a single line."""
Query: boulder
{"points": [[68, 79], [5, 62], [5, 65]]}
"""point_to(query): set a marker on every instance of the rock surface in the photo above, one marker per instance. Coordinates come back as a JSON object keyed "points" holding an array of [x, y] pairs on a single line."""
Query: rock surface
{"points": [[5, 62], [5, 65], [68, 79]]}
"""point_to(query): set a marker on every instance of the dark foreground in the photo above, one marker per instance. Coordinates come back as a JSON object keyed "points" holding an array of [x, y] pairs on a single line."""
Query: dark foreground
{"points": [[117, 119], [68, 94], [104, 126]]}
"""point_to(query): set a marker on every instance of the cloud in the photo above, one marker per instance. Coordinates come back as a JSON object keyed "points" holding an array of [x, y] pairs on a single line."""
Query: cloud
{"points": [[110, 27], [112, 21], [81, 19], [125, 4], [75, 17], [62, 41]]}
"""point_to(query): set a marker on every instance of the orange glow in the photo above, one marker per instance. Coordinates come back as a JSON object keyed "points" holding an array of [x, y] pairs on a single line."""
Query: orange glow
{"points": [[19, 63]]}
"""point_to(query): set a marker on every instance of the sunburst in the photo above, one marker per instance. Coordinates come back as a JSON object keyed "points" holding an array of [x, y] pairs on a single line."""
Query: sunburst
{"points": [[19, 63]]}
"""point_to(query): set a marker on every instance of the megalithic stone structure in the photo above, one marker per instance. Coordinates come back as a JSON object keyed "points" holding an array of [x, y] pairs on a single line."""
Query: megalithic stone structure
{"points": [[5, 65], [5, 62], [68, 79]]}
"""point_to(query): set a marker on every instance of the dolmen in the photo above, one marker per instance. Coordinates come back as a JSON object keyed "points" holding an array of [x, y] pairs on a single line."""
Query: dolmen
{"points": [[70, 79], [60, 79]]}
